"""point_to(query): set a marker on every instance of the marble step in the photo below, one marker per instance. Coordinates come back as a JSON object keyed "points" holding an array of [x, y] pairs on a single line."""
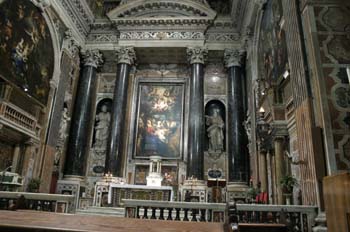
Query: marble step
{"points": [[109, 211]]}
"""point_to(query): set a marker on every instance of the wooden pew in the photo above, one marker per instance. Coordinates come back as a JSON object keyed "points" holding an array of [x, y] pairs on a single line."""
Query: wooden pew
{"points": [[30, 221]]}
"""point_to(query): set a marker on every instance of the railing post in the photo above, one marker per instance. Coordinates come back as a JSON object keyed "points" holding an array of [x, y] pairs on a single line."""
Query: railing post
{"points": [[170, 214]]}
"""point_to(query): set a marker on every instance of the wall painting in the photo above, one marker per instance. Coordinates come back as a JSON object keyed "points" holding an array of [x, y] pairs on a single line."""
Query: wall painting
{"points": [[26, 50], [160, 112]]}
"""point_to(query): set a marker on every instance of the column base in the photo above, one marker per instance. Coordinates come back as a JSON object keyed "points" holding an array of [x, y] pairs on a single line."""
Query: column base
{"points": [[102, 195], [321, 223], [71, 186], [194, 191]]}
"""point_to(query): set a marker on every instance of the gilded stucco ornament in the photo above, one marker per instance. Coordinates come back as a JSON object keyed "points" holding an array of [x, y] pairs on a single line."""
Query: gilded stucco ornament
{"points": [[92, 58], [233, 57], [197, 55], [126, 55]]}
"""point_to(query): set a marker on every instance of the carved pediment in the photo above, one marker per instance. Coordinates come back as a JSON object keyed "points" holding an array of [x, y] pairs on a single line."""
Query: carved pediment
{"points": [[162, 12]]}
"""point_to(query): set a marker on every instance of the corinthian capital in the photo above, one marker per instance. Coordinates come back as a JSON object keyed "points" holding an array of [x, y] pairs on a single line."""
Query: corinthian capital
{"points": [[92, 58], [125, 55], [197, 55], [233, 57]]}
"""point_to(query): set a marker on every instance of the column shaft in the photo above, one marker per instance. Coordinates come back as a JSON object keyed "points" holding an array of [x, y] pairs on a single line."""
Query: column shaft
{"points": [[279, 168], [263, 171], [81, 124], [238, 155], [196, 122], [82, 118], [115, 142]]}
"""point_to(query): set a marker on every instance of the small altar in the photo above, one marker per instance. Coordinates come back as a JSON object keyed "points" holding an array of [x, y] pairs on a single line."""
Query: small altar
{"points": [[117, 192]]}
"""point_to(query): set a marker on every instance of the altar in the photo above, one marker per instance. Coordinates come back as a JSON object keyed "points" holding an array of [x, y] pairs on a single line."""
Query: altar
{"points": [[118, 192]]}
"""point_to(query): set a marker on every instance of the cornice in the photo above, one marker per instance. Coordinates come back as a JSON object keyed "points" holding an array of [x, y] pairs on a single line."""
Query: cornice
{"points": [[162, 14], [79, 13]]}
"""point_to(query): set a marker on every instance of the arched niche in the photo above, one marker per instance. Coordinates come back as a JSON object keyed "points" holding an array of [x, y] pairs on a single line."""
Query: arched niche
{"points": [[210, 108], [100, 112]]}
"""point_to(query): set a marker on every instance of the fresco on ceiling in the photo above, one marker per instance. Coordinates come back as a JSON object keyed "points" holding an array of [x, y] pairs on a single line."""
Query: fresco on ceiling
{"points": [[159, 120], [26, 51], [273, 57]]}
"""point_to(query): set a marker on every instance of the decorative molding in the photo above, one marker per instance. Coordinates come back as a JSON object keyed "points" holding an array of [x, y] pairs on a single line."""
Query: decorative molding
{"points": [[71, 45], [151, 8], [197, 55], [79, 13], [42, 4], [222, 37], [102, 38], [161, 35], [92, 58], [343, 155], [233, 57], [126, 55], [162, 15]]}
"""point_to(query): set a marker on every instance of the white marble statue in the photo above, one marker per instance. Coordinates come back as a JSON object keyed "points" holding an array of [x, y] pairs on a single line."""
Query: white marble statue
{"points": [[101, 130], [64, 124], [215, 132]]}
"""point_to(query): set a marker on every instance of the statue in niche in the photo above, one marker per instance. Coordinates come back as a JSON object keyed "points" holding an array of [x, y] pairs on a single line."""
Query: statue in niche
{"points": [[64, 124], [215, 132], [101, 130]]}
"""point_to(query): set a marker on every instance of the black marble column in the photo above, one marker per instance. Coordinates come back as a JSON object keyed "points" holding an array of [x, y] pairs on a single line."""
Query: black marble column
{"points": [[114, 157], [195, 156], [82, 118], [237, 140]]}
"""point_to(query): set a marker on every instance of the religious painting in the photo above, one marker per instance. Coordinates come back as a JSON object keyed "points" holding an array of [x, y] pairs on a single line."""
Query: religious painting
{"points": [[141, 172], [169, 174], [160, 112], [273, 56], [26, 50]]}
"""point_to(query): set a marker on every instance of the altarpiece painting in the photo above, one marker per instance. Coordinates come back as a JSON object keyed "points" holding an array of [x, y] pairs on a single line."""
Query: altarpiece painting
{"points": [[159, 119]]}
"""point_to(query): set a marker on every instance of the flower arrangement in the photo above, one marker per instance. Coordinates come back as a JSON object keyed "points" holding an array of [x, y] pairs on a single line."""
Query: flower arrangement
{"points": [[287, 183]]}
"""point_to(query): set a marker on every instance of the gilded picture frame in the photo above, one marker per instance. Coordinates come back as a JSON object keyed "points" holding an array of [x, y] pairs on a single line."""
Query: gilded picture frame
{"points": [[158, 117]]}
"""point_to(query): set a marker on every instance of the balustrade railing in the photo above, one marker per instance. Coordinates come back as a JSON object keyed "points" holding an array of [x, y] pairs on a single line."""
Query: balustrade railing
{"points": [[19, 118], [36, 201], [176, 211], [296, 218]]}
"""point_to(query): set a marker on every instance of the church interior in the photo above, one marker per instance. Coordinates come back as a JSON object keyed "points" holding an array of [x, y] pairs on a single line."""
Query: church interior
{"points": [[162, 114]]}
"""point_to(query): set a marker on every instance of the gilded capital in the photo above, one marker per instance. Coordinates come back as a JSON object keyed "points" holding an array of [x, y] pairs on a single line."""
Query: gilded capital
{"points": [[233, 57], [125, 55], [92, 58], [197, 55]]}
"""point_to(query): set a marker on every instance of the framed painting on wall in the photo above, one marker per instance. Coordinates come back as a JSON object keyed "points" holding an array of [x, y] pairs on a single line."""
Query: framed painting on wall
{"points": [[158, 118]]}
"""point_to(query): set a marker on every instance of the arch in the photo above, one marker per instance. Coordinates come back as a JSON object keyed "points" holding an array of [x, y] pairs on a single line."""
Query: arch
{"points": [[153, 8]]}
